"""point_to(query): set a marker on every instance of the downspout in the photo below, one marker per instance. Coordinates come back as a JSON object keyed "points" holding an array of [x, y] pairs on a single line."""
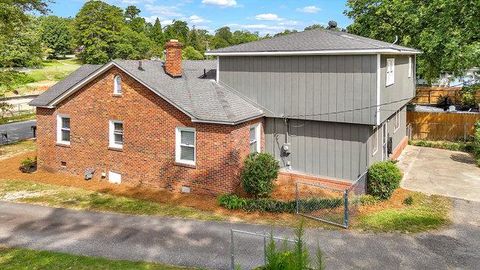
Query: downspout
{"points": [[377, 113]]}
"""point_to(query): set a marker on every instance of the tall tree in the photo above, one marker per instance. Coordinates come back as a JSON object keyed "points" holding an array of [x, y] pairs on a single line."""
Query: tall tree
{"points": [[156, 33], [97, 28], [445, 30], [133, 19], [56, 35], [222, 38], [177, 30]]}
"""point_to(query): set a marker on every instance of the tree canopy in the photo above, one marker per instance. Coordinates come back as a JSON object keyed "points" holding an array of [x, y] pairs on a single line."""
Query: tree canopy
{"points": [[445, 31], [55, 34]]}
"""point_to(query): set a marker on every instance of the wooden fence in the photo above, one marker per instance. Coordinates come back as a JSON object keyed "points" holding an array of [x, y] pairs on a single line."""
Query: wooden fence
{"points": [[432, 95], [441, 126]]}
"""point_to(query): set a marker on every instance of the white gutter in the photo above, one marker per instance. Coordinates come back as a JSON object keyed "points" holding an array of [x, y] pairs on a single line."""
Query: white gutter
{"points": [[321, 52]]}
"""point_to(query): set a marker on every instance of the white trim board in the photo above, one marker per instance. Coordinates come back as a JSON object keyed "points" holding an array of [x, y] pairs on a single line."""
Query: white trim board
{"points": [[322, 52]]}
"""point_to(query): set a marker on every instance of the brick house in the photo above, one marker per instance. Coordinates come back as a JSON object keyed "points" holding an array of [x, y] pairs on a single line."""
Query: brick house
{"points": [[325, 104]]}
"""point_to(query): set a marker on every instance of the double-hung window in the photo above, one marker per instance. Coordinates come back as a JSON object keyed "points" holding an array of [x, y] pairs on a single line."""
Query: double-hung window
{"points": [[63, 129], [396, 124], [390, 78], [185, 139], [117, 85], [410, 67], [255, 139], [115, 134]]}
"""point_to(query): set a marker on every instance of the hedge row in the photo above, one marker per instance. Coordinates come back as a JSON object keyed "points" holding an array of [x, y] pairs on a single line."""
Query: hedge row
{"points": [[234, 202]]}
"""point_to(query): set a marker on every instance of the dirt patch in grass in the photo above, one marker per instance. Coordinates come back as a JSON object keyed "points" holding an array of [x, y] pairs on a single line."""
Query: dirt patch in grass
{"points": [[426, 212], [19, 258], [207, 204], [13, 149]]}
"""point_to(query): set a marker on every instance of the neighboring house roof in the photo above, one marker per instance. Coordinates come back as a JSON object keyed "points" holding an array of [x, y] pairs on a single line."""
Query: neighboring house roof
{"points": [[198, 96], [318, 41]]}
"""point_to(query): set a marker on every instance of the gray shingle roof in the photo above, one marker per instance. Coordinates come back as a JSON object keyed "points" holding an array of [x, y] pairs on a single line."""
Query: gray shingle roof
{"points": [[62, 86], [197, 95], [313, 40]]}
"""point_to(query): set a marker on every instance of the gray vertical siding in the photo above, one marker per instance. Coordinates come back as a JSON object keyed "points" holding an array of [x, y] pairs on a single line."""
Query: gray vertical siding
{"points": [[397, 135], [324, 88], [335, 150], [397, 95]]}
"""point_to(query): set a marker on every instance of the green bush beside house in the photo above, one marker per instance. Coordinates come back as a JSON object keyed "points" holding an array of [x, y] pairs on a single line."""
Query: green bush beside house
{"points": [[383, 178]]}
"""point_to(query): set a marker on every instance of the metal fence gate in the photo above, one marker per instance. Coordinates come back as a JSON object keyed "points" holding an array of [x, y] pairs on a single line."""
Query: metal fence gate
{"points": [[329, 204]]}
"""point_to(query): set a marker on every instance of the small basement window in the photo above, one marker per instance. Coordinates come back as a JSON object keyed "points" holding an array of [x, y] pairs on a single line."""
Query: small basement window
{"points": [[114, 177], [117, 85], [390, 78], [185, 139], [255, 139], [116, 134], [63, 129]]}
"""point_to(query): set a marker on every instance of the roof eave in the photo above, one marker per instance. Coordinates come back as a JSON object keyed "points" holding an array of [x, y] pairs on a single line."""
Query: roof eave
{"points": [[321, 52], [231, 123]]}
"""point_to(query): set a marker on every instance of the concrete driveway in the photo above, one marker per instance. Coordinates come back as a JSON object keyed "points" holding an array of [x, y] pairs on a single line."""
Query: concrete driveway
{"points": [[442, 172]]}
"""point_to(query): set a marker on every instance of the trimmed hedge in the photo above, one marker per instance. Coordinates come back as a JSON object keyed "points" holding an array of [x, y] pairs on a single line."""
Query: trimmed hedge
{"points": [[233, 202], [383, 178]]}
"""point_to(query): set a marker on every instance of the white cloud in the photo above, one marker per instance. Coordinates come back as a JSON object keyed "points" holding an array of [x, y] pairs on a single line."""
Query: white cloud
{"points": [[309, 9], [163, 11], [197, 19], [222, 3], [268, 17], [164, 22], [132, 2]]}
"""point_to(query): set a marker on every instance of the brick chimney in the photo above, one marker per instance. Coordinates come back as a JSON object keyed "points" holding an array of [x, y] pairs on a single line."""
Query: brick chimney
{"points": [[173, 58]]}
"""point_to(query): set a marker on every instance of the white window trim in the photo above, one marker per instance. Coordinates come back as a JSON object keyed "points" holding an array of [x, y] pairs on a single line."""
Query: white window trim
{"points": [[258, 138], [410, 67], [392, 81], [178, 144], [111, 134], [59, 129], [396, 123], [375, 147], [117, 88]]}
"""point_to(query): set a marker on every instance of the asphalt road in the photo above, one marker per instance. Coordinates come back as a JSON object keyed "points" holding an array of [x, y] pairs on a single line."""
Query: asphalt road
{"points": [[17, 131], [207, 244]]}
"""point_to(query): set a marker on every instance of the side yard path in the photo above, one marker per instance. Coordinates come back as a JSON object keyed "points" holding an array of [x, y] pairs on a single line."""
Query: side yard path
{"points": [[206, 243]]}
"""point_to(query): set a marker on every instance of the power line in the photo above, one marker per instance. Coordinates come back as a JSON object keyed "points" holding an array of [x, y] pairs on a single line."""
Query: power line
{"points": [[352, 110]]}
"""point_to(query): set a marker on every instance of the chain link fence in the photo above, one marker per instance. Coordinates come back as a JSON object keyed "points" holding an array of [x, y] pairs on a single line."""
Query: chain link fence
{"points": [[330, 204], [248, 250]]}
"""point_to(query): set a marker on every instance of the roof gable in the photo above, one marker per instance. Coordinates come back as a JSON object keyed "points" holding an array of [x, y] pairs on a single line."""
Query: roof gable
{"points": [[318, 41], [195, 94]]}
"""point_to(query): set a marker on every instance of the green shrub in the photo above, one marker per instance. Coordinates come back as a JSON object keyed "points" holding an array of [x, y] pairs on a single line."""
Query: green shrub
{"points": [[468, 95], [454, 146], [408, 200], [291, 258], [233, 202], [476, 143], [259, 172], [368, 200], [28, 165], [383, 178]]}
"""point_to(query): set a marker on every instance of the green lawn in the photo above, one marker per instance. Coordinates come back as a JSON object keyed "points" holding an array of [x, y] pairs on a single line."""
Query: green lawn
{"points": [[12, 149], [48, 74], [425, 213], [18, 258], [70, 197], [54, 70], [17, 118]]}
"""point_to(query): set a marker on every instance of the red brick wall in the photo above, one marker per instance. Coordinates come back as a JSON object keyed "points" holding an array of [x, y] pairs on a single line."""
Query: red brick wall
{"points": [[148, 155]]}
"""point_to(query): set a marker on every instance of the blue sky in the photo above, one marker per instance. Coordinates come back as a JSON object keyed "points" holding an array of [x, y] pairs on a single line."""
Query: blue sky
{"points": [[264, 16]]}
